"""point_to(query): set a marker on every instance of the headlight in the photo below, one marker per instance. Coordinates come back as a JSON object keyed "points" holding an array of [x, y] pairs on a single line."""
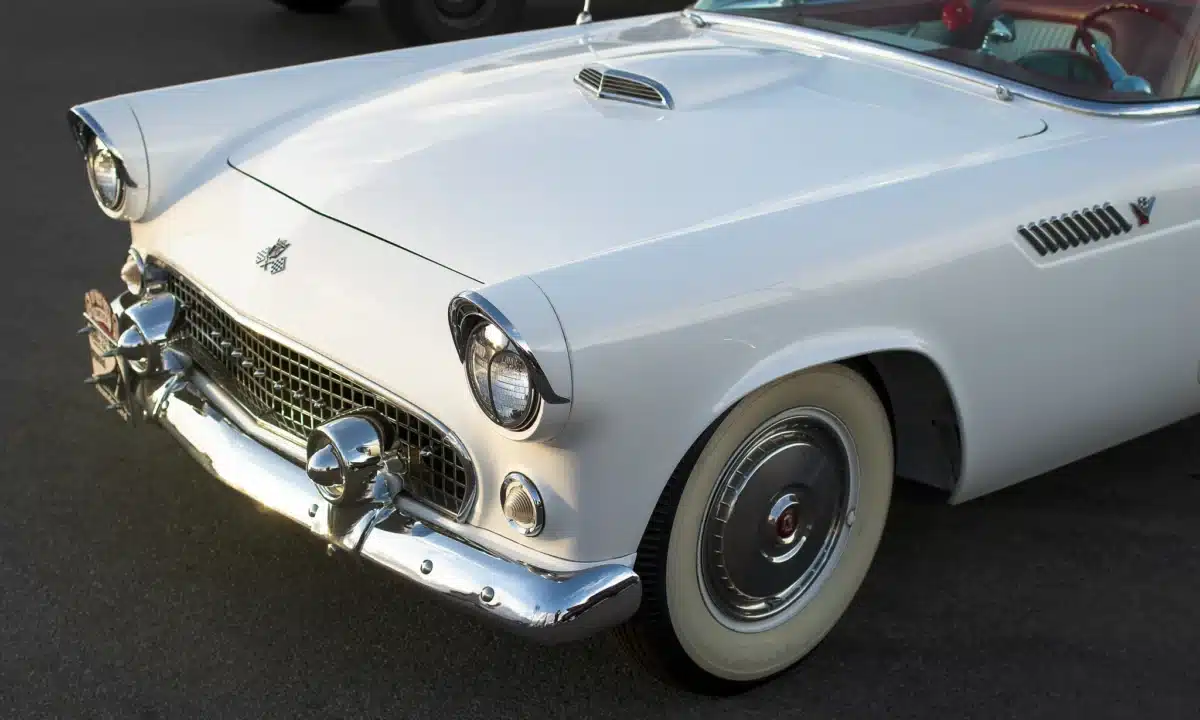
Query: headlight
{"points": [[508, 381], [500, 379], [109, 157], [104, 175]]}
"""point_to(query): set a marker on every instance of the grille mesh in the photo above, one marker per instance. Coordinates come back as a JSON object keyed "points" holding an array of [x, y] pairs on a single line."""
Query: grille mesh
{"points": [[295, 394]]}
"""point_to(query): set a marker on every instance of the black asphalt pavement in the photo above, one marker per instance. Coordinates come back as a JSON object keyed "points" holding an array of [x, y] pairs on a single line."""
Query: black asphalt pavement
{"points": [[132, 585]]}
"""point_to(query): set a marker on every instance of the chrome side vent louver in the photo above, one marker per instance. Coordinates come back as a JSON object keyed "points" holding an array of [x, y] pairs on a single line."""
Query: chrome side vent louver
{"points": [[1081, 227], [612, 84]]}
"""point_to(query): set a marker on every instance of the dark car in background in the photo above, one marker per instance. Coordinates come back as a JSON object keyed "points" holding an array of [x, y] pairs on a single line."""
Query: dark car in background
{"points": [[426, 21]]}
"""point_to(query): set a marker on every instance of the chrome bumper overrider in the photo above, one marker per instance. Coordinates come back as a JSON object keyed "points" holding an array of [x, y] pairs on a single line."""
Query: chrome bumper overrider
{"points": [[548, 607]]}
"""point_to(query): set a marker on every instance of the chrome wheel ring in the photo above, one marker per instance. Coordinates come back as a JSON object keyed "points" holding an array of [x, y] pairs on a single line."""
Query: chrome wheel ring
{"points": [[778, 519]]}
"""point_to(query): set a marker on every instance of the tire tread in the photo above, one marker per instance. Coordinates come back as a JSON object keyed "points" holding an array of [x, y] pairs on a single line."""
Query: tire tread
{"points": [[648, 637]]}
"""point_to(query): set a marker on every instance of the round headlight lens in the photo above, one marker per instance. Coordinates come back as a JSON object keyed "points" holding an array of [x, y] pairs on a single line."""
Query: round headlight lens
{"points": [[500, 379], [510, 387], [104, 175]]}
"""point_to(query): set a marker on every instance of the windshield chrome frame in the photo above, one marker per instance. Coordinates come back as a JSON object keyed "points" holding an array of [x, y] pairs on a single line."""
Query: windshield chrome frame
{"points": [[1003, 87]]}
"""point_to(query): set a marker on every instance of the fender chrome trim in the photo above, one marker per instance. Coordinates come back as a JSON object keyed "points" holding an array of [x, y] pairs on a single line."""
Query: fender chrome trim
{"points": [[468, 304]]}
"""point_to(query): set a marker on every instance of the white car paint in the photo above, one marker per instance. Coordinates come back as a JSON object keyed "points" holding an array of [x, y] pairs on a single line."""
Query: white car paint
{"points": [[805, 202], [377, 155]]}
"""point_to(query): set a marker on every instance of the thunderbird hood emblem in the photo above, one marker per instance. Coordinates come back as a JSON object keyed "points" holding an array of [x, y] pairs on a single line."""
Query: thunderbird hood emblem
{"points": [[272, 259]]}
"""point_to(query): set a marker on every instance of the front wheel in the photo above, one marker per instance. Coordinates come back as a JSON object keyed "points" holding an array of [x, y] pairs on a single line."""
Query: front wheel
{"points": [[754, 552], [434, 21], [313, 6]]}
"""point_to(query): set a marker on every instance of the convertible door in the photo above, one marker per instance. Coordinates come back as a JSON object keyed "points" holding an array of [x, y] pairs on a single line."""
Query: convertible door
{"points": [[1097, 336]]}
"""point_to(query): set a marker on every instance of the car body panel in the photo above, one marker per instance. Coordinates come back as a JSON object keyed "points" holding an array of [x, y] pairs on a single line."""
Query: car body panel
{"points": [[189, 130], [522, 110], [721, 256], [373, 310], [1046, 362]]}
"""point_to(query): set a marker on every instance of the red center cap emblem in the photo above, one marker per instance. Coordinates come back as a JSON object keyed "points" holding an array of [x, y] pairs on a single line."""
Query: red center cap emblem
{"points": [[786, 524]]}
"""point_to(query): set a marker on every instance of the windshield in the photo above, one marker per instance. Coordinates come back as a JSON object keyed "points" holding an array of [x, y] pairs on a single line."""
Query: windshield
{"points": [[1115, 52]]}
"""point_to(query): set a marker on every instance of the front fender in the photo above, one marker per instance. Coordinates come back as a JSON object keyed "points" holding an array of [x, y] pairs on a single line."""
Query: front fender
{"points": [[113, 122], [520, 307], [819, 350], [188, 131]]}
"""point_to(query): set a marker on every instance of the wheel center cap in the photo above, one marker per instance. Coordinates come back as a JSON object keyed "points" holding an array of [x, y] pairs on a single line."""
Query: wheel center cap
{"points": [[773, 524], [785, 526]]}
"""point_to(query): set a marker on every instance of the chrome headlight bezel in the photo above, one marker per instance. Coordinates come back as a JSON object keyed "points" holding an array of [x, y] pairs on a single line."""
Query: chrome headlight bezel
{"points": [[128, 199], [470, 315]]}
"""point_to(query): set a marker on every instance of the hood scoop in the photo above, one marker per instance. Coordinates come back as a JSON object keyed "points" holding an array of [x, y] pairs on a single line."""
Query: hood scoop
{"points": [[609, 84]]}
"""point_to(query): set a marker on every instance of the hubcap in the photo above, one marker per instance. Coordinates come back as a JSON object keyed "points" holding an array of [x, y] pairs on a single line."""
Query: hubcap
{"points": [[778, 519]]}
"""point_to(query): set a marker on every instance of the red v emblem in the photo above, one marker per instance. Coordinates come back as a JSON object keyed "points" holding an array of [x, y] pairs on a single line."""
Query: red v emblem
{"points": [[1142, 209]]}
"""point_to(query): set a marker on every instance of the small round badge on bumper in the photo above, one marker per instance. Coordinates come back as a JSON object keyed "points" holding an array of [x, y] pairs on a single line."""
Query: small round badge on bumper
{"points": [[346, 453]]}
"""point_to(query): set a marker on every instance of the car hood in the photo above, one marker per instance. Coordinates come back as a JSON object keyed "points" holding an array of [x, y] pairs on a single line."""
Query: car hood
{"points": [[503, 165]]}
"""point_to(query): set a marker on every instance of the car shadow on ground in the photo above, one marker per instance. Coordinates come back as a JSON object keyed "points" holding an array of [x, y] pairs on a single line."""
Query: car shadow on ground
{"points": [[952, 588], [132, 580]]}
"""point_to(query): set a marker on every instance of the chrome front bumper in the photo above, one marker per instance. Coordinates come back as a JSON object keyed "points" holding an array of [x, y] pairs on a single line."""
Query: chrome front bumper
{"points": [[547, 607]]}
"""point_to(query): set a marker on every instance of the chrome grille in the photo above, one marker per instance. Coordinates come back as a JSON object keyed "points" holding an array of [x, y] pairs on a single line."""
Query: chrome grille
{"points": [[294, 394]]}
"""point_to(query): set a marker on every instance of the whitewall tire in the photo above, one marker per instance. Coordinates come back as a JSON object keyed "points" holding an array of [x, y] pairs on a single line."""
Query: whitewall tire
{"points": [[765, 533]]}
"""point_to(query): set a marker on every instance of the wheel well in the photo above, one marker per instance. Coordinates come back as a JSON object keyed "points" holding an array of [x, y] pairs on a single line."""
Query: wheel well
{"points": [[925, 424]]}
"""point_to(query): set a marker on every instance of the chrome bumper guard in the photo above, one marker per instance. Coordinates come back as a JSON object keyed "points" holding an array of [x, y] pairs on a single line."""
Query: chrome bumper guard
{"points": [[545, 606]]}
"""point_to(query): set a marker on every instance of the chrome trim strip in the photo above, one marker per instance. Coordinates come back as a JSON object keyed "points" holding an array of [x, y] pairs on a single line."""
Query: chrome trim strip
{"points": [[282, 437], [1164, 109], [544, 606], [485, 309], [78, 115], [233, 410], [694, 18]]}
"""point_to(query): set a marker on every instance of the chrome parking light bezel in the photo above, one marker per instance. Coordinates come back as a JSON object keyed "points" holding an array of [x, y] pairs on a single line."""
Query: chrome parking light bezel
{"points": [[519, 480]]}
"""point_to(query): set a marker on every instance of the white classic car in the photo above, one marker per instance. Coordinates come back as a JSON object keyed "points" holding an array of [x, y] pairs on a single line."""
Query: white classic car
{"points": [[631, 324]]}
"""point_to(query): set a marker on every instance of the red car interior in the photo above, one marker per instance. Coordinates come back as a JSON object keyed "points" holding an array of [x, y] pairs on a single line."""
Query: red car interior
{"points": [[1155, 39]]}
